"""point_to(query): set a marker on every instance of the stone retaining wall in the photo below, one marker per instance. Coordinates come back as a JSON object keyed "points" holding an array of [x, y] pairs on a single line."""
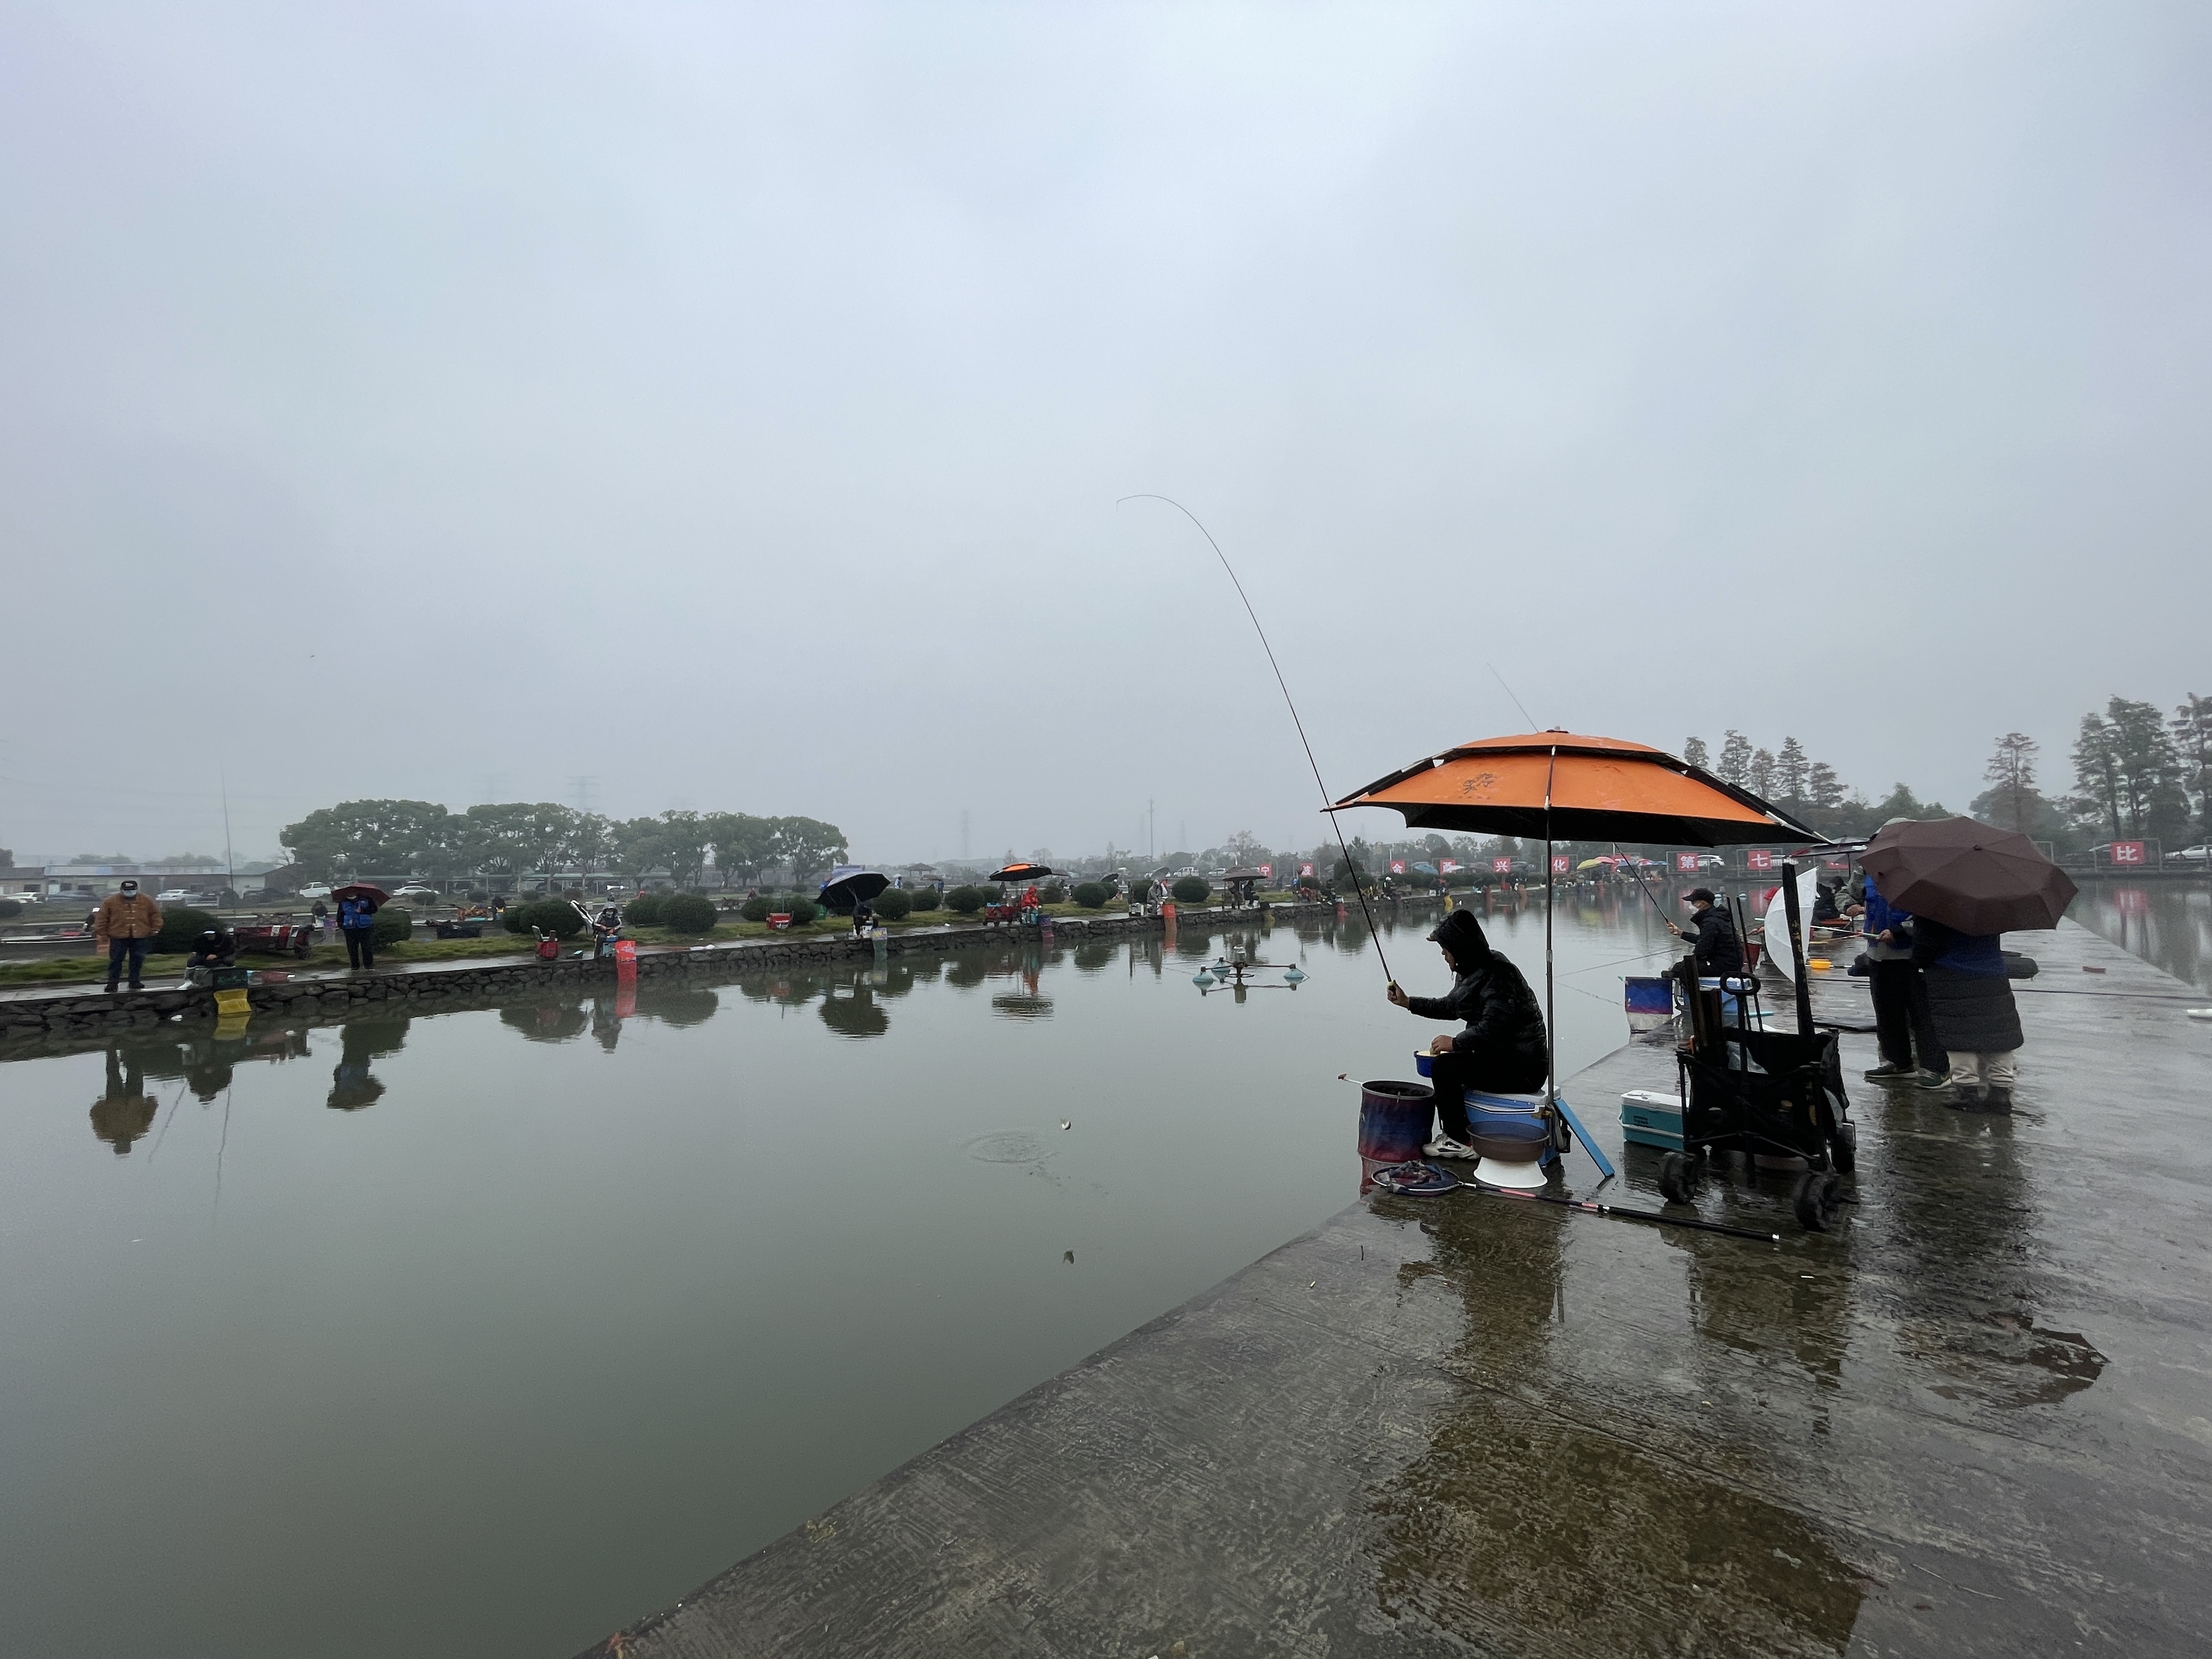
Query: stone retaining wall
{"points": [[76, 1013]]}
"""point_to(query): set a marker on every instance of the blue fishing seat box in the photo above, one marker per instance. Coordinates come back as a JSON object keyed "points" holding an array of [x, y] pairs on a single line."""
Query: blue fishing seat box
{"points": [[1649, 1118]]}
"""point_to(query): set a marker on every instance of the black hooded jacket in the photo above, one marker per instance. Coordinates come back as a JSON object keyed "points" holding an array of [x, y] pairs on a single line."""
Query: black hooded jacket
{"points": [[1504, 1023], [1712, 935]]}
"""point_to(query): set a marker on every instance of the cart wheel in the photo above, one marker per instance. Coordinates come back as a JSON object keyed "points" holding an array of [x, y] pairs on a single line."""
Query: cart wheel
{"points": [[1845, 1148], [1817, 1199], [1678, 1179]]}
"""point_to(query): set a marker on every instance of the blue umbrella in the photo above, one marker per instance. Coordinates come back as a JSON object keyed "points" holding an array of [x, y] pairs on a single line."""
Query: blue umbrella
{"points": [[850, 884]]}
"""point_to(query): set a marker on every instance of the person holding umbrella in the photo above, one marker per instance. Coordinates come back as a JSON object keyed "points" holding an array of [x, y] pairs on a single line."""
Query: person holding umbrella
{"points": [[1967, 885], [357, 921], [1970, 1002]]}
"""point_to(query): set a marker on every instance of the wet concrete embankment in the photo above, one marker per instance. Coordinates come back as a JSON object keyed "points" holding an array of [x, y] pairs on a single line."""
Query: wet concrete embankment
{"points": [[1972, 1420]]}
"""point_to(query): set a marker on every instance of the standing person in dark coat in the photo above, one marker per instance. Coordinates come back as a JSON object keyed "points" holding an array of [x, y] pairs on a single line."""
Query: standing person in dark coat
{"points": [[1971, 999], [1502, 1049], [1902, 1022], [1720, 953]]}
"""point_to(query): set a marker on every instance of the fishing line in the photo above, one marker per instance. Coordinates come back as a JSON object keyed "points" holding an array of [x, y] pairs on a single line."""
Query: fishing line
{"points": [[152, 1150], [1518, 703], [1326, 799]]}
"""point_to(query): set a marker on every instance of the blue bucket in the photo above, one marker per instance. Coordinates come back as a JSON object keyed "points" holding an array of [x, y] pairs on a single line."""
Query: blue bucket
{"points": [[1507, 1129]]}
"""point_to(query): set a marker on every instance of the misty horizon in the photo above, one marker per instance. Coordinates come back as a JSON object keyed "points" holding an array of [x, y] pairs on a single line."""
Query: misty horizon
{"points": [[731, 408]]}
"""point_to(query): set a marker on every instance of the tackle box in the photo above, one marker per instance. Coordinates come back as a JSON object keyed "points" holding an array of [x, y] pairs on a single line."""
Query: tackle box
{"points": [[1649, 1118]]}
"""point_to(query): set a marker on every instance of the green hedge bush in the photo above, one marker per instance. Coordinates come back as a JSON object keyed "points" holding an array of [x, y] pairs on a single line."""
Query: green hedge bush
{"points": [[923, 898], [688, 913], [1191, 889], [180, 926], [803, 910], [394, 926], [967, 901], [755, 908], [10, 909], [893, 903], [647, 910], [555, 916], [1090, 895]]}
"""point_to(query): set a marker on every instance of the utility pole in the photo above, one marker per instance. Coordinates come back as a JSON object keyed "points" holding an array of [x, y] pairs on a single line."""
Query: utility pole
{"points": [[1151, 830], [229, 864], [963, 835]]}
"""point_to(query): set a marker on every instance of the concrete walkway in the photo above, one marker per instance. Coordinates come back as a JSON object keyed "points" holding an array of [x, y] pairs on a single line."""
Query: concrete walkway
{"points": [[1975, 1419]]}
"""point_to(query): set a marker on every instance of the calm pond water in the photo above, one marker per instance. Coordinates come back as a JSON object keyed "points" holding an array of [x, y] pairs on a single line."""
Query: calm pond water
{"points": [[2166, 923], [487, 1332]]}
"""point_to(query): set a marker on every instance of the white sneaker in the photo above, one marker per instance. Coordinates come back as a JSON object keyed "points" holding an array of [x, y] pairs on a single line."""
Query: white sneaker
{"points": [[1446, 1146]]}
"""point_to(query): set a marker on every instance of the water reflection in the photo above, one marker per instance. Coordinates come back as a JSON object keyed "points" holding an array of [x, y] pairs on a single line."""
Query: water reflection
{"points": [[125, 1111], [353, 1086], [2166, 923], [1518, 1519], [1965, 1209], [204, 1063], [543, 1020], [850, 1010], [1751, 1305]]}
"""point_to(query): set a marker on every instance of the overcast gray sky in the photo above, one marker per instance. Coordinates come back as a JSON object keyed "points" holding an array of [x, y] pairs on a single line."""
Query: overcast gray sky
{"points": [[728, 406]]}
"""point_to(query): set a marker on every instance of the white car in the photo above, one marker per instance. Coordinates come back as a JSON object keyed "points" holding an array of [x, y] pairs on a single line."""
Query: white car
{"points": [[175, 895], [2202, 854], [315, 890], [416, 890]]}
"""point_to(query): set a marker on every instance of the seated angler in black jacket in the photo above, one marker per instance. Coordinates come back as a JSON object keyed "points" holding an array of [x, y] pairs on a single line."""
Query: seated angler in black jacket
{"points": [[1501, 1051], [1720, 953]]}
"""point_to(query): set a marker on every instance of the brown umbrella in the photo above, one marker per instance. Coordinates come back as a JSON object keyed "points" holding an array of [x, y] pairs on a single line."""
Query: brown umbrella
{"points": [[367, 890], [1968, 876]]}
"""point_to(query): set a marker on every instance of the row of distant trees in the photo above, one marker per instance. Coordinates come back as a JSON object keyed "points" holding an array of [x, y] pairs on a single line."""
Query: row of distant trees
{"points": [[422, 839], [2139, 773]]}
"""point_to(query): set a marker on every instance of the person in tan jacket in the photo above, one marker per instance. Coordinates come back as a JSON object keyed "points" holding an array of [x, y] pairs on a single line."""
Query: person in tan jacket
{"points": [[124, 926]]}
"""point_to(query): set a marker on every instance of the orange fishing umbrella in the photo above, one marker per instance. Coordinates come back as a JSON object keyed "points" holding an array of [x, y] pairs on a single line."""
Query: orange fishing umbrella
{"points": [[1563, 786]]}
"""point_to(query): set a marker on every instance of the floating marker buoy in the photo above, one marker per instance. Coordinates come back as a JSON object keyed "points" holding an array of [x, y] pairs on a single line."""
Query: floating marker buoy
{"points": [[1294, 975], [2200, 1013], [1201, 979]]}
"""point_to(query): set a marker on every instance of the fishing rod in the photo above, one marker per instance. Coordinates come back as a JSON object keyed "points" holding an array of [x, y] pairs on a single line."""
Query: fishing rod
{"points": [[1638, 872], [1619, 1212], [1326, 799]]}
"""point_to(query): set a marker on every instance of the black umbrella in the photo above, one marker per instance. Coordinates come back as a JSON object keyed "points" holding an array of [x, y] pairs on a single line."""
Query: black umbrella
{"points": [[1022, 872], [1968, 875], [850, 884]]}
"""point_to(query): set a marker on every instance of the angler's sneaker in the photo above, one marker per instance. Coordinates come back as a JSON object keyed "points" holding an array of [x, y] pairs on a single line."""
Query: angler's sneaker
{"points": [[1887, 1070], [1446, 1146], [1934, 1080]]}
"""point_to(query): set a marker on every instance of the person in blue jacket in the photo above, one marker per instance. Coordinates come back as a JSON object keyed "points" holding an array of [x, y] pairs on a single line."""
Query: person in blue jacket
{"points": [[356, 920], [1902, 1022]]}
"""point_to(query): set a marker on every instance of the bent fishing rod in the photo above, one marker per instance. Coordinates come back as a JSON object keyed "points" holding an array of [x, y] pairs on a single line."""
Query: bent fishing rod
{"points": [[1326, 799]]}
